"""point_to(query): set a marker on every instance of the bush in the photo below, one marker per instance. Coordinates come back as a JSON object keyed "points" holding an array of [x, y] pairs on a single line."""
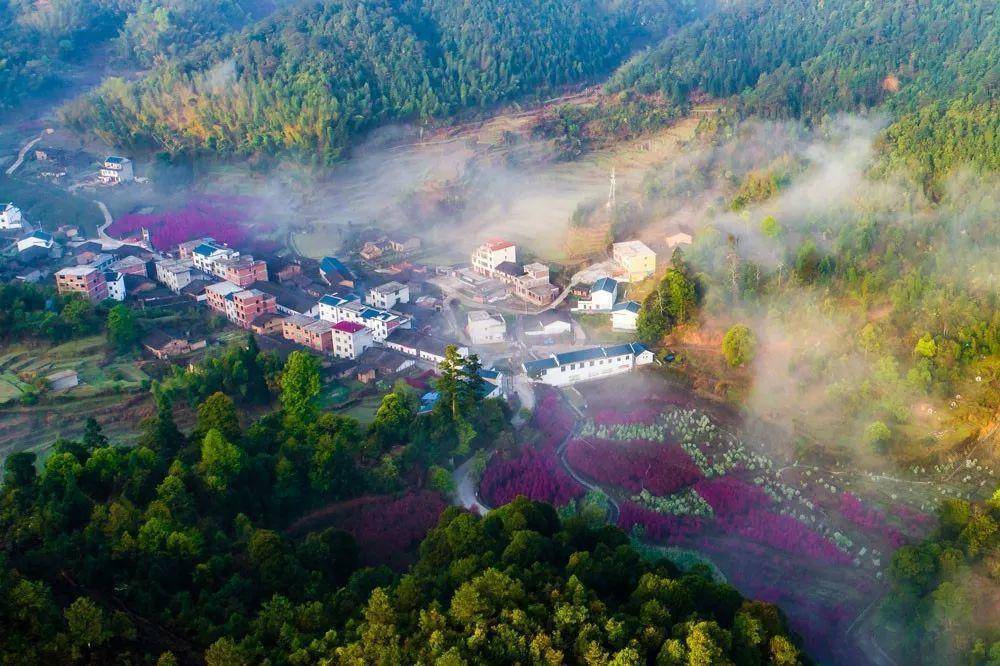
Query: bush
{"points": [[739, 345]]}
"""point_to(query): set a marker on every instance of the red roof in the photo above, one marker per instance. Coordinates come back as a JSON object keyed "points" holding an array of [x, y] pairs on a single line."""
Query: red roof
{"points": [[348, 326], [495, 244]]}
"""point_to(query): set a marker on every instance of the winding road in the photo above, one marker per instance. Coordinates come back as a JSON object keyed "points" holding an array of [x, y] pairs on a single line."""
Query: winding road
{"points": [[614, 510], [24, 151]]}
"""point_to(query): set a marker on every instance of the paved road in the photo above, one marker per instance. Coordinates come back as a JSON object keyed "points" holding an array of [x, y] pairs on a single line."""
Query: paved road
{"points": [[614, 511], [466, 494], [23, 152]]}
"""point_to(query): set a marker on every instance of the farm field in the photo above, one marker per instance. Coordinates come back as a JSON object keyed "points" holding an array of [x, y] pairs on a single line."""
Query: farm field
{"points": [[681, 472]]}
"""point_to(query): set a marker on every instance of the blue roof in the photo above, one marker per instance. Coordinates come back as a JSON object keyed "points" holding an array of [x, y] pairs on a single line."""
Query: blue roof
{"points": [[205, 249], [541, 364], [605, 284], [334, 265], [580, 355], [42, 235], [334, 300], [631, 306], [488, 374]]}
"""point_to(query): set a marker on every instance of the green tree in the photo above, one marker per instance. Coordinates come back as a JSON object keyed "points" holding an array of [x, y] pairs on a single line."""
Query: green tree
{"points": [[93, 434], [739, 345], [123, 329], [300, 385], [218, 412], [877, 435], [925, 347], [770, 227], [221, 461], [87, 624]]}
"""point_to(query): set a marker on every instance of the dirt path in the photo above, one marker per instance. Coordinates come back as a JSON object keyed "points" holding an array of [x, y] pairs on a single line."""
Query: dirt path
{"points": [[614, 510], [23, 152], [466, 493]]}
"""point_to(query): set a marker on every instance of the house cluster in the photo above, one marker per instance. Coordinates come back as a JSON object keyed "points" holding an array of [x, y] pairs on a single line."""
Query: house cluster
{"points": [[496, 260], [380, 246], [603, 297]]}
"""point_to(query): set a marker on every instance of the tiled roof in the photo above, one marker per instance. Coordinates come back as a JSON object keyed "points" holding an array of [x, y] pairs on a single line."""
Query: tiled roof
{"points": [[631, 306], [348, 326], [605, 284]]}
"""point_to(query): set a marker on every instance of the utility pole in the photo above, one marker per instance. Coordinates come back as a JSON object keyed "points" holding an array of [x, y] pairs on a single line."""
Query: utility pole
{"points": [[611, 192]]}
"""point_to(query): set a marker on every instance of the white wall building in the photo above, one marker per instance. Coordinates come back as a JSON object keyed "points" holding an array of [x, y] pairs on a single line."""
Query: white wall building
{"points": [[207, 255], [485, 328], [174, 274], [603, 295], [588, 364], [116, 285], [10, 217], [116, 170], [351, 339], [419, 345], [492, 253], [388, 295], [42, 239], [549, 323], [625, 316], [349, 308]]}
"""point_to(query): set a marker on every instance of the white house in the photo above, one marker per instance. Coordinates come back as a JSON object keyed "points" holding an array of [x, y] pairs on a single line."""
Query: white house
{"points": [[388, 295], [207, 256], [348, 308], [116, 170], [350, 339], [485, 328], [174, 274], [625, 316], [588, 364], [116, 285], [10, 217], [491, 254], [42, 239], [603, 295], [62, 380], [549, 323], [418, 345]]}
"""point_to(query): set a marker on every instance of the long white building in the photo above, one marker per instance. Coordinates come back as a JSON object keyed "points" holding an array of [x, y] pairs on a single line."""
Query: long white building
{"points": [[584, 365], [350, 308]]}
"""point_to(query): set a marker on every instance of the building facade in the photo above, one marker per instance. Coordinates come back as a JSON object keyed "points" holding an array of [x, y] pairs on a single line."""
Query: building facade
{"points": [[350, 339], [10, 217], [85, 280], [603, 295], [349, 308], [588, 364], [388, 295], [485, 328], [635, 258], [625, 316], [116, 285], [174, 274], [313, 333], [116, 170]]}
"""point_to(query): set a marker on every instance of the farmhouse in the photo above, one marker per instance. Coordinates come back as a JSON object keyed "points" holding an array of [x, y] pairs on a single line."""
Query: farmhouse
{"points": [[497, 259], [376, 363], [175, 274], [682, 235], [116, 170], [350, 339], [403, 244], [336, 274], [85, 280], [587, 364], [164, 345], [65, 379], [380, 322], [625, 316], [388, 295], [485, 328], [637, 260], [549, 323], [603, 295], [10, 217], [269, 323], [42, 239], [116, 285], [313, 333], [130, 265], [419, 345]]}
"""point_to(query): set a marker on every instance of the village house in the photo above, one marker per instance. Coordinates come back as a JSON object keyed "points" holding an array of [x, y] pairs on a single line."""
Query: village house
{"points": [[228, 264], [39, 238], [350, 339], [486, 328], [491, 254], [625, 316], [102, 261], [587, 364], [349, 308], [377, 363], [175, 274], [403, 244], [130, 265], [291, 301], [420, 345], [62, 380], [336, 274], [550, 323], [313, 333], [497, 259], [85, 280], [243, 306], [637, 260], [370, 251], [269, 323], [116, 285], [116, 170], [164, 345], [603, 295], [30, 276], [388, 295], [216, 295], [681, 236], [11, 218]]}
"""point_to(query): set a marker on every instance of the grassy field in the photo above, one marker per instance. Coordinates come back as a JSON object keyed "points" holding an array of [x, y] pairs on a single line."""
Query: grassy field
{"points": [[49, 205]]}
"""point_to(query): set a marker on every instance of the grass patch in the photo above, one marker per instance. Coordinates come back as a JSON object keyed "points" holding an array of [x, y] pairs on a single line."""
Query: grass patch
{"points": [[50, 206]]}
